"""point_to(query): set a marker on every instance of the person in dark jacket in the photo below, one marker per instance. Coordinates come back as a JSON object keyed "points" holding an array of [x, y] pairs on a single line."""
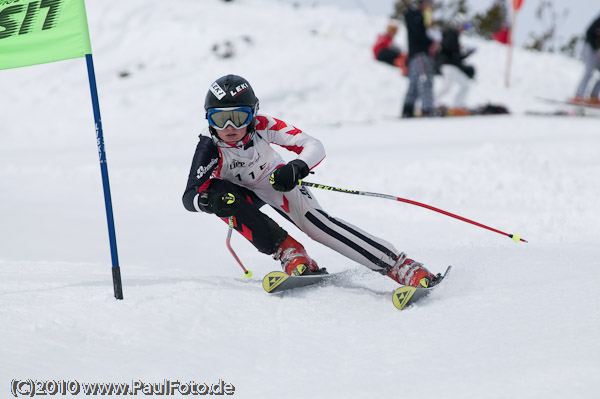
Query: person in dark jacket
{"points": [[591, 58], [449, 62], [421, 47]]}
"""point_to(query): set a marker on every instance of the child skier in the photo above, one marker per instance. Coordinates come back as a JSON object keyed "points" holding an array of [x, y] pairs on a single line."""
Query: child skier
{"points": [[236, 170]]}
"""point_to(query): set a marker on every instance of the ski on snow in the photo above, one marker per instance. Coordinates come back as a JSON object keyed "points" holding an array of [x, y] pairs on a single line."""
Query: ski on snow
{"points": [[568, 102], [279, 281], [275, 282], [579, 112], [406, 296], [575, 109]]}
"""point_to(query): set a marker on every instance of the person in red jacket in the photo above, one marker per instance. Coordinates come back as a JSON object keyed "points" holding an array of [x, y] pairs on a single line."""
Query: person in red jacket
{"points": [[385, 50], [502, 35], [236, 170]]}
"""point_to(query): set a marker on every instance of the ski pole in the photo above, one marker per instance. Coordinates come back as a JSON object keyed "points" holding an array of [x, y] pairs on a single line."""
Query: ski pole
{"points": [[247, 273], [515, 237]]}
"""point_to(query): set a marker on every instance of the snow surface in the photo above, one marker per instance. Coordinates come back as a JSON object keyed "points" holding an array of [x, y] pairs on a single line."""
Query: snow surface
{"points": [[513, 321]]}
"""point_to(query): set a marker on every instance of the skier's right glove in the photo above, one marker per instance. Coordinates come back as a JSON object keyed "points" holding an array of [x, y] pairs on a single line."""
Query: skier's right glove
{"points": [[223, 205], [287, 177]]}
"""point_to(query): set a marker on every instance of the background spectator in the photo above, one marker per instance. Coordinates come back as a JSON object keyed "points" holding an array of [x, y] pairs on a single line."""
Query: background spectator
{"points": [[591, 58]]}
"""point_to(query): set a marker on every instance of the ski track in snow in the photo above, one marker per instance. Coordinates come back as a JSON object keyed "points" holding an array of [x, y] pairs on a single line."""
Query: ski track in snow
{"points": [[512, 320]]}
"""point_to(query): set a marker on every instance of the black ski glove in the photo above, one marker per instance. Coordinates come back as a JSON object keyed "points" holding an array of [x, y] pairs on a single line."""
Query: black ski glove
{"points": [[223, 205], [288, 176]]}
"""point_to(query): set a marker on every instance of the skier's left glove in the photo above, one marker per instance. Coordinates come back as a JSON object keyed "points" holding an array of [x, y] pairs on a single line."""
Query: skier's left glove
{"points": [[288, 176], [223, 205]]}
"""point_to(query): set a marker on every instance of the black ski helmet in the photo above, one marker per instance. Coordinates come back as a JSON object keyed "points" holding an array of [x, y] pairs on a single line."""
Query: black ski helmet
{"points": [[231, 91]]}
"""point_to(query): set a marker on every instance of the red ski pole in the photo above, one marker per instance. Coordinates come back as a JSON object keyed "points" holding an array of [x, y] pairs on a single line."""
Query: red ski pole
{"points": [[247, 273], [515, 237]]}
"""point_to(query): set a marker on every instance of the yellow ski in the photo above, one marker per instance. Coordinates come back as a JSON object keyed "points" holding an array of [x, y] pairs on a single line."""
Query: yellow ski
{"points": [[279, 281], [406, 296], [402, 296]]}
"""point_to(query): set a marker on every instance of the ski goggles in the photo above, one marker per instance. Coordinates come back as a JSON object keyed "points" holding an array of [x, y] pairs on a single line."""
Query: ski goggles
{"points": [[238, 117]]}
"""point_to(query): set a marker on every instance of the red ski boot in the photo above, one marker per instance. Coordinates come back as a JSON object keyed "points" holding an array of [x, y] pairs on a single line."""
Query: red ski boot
{"points": [[294, 259], [408, 272]]}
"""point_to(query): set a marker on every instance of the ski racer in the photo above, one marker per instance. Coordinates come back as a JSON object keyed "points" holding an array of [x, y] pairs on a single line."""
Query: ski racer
{"points": [[236, 170]]}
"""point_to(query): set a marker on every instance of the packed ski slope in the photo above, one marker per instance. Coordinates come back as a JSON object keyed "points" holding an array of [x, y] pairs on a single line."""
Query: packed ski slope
{"points": [[513, 320]]}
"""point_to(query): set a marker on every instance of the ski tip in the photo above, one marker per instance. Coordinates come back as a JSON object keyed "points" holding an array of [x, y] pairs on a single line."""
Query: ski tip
{"points": [[273, 280], [402, 296]]}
